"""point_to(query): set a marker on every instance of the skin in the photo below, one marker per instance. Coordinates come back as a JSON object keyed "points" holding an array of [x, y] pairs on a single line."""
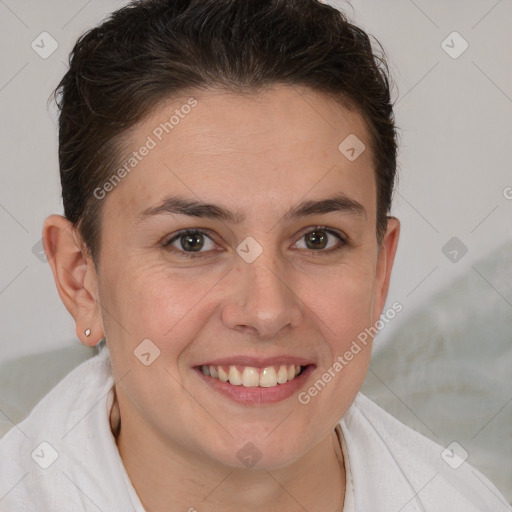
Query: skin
{"points": [[258, 155]]}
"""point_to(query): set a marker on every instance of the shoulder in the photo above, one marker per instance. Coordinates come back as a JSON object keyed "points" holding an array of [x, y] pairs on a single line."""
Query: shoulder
{"points": [[55, 450], [390, 462]]}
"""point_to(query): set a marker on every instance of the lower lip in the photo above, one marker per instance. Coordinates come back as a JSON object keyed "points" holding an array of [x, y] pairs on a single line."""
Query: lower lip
{"points": [[257, 395]]}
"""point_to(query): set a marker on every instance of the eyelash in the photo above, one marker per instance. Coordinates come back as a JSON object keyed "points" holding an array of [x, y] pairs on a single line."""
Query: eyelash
{"points": [[185, 254]]}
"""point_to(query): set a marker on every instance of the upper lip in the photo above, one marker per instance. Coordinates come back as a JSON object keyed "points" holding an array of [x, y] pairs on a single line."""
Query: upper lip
{"points": [[257, 362]]}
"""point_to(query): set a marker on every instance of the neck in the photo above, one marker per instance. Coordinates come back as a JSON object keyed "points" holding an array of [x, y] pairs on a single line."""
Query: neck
{"points": [[163, 474]]}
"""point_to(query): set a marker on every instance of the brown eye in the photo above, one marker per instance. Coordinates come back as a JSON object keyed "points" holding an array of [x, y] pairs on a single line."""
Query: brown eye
{"points": [[316, 240], [192, 242], [323, 240], [187, 242]]}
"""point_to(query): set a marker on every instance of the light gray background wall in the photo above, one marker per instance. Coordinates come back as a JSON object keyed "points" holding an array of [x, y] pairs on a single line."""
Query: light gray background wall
{"points": [[451, 361], [455, 160]]}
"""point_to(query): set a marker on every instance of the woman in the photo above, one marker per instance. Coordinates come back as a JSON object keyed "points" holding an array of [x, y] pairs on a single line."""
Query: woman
{"points": [[227, 170]]}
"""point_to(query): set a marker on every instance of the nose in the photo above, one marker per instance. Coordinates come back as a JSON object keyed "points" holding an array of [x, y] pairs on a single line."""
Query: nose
{"points": [[261, 299]]}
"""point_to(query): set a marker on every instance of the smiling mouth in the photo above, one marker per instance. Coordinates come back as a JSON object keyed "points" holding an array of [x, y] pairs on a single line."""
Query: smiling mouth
{"points": [[250, 376]]}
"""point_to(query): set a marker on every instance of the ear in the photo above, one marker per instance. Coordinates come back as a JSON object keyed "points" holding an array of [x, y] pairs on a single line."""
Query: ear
{"points": [[385, 259], [75, 276]]}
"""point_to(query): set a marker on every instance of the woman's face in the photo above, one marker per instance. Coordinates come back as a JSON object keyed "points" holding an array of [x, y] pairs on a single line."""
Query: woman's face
{"points": [[254, 286]]}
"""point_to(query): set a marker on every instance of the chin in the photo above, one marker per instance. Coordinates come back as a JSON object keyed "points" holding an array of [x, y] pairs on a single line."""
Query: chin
{"points": [[258, 454]]}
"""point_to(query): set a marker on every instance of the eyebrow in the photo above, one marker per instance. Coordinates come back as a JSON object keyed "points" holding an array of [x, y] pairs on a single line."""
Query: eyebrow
{"points": [[193, 208]]}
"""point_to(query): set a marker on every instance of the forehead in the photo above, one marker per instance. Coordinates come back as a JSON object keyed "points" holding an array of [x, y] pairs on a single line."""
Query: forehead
{"points": [[278, 144]]}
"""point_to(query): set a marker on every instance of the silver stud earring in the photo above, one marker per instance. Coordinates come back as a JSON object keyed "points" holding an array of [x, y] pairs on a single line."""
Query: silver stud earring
{"points": [[87, 332]]}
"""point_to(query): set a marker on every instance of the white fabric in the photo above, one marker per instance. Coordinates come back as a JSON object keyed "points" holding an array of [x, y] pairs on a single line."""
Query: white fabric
{"points": [[389, 467]]}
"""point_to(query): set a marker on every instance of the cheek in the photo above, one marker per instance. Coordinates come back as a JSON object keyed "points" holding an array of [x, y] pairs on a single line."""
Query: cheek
{"points": [[163, 306], [171, 306], [344, 309], [166, 308], [157, 303], [343, 302]]}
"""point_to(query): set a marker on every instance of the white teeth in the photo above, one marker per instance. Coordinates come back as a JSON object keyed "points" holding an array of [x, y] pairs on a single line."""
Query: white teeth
{"points": [[223, 376], [267, 377], [282, 374], [213, 372], [234, 376], [250, 377]]}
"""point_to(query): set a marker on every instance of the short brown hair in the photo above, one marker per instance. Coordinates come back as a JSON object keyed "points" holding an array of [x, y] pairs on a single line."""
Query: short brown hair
{"points": [[151, 50]]}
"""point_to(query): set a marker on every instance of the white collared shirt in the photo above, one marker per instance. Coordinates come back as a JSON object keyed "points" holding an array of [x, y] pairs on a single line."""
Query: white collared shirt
{"points": [[63, 458]]}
